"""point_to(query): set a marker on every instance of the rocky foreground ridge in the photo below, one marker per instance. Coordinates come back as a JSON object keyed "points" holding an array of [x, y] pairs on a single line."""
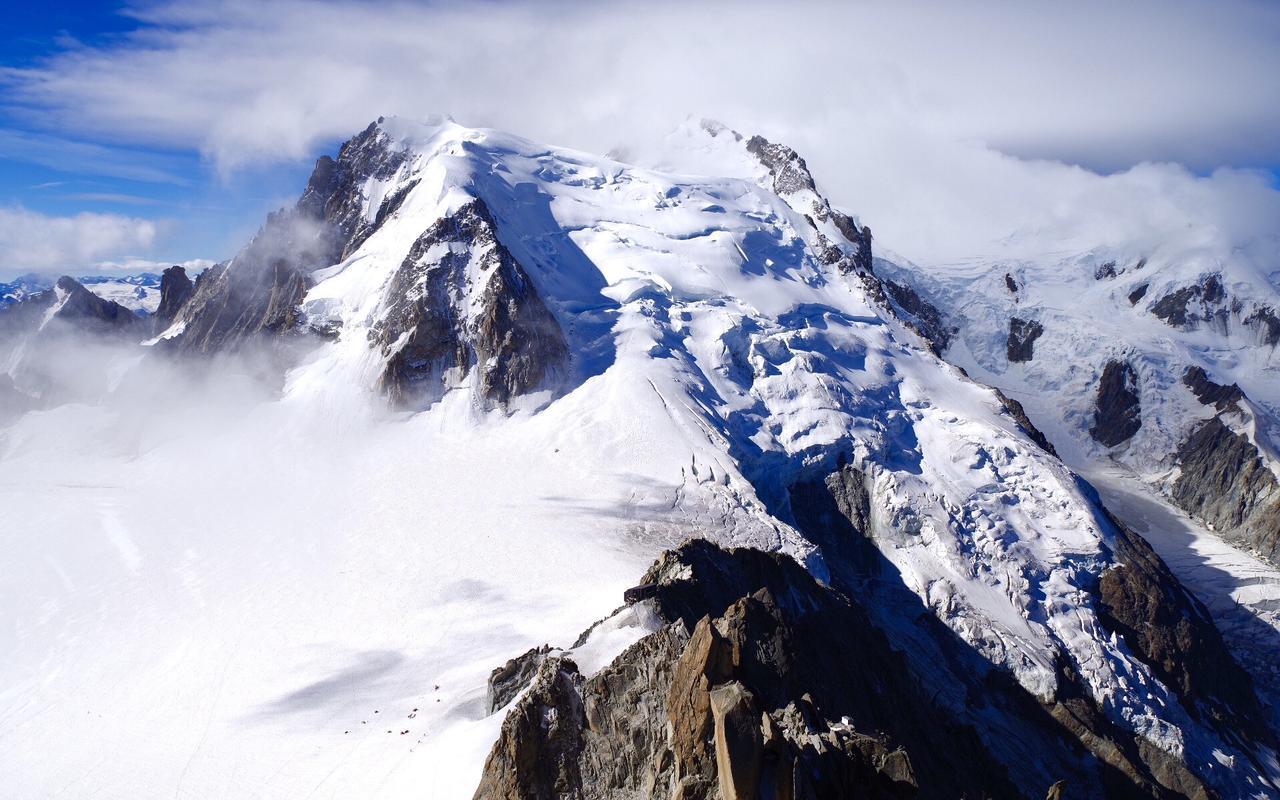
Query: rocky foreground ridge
{"points": [[760, 681]]}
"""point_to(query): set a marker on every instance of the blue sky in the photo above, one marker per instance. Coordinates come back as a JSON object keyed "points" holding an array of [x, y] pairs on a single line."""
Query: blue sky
{"points": [[60, 172], [164, 131]]}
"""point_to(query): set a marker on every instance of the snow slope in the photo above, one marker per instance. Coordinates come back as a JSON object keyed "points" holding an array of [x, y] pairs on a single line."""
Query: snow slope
{"points": [[1101, 305], [269, 588], [138, 293]]}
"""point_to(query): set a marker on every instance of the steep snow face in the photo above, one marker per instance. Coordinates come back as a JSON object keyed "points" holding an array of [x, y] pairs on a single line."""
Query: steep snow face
{"points": [[720, 344], [1165, 309], [1188, 321]]}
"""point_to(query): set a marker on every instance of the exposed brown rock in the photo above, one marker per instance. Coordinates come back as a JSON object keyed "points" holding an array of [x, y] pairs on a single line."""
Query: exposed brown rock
{"points": [[1117, 410], [1223, 480], [175, 290], [1023, 333], [441, 323]]}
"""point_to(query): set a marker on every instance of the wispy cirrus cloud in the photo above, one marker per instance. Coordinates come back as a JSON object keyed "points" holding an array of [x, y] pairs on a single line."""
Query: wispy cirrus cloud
{"points": [[88, 158]]}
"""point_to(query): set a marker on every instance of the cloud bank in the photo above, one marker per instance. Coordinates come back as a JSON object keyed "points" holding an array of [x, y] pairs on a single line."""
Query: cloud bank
{"points": [[946, 126], [35, 242]]}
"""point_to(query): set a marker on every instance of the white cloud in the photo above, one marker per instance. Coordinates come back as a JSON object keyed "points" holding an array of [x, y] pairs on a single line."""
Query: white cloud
{"points": [[1104, 83], [940, 123], [135, 266], [34, 242]]}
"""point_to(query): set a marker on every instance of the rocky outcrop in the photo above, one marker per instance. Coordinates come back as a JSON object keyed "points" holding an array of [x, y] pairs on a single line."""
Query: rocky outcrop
{"points": [[1194, 305], [919, 315], [255, 297], [541, 742], [82, 311], [175, 290], [508, 680], [1019, 414], [1117, 410], [461, 303], [1263, 319], [746, 693], [1140, 601], [251, 299], [743, 694], [333, 193], [1139, 292], [789, 171], [1223, 480], [1023, 333], [1208, 303], [1173, 633], [1210, 393], [1105, 271], [1010, 284]]}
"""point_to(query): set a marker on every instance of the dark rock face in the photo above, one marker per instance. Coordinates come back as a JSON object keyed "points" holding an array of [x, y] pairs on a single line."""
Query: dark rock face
{"points": [[333, 192], [1138, 293], [85, 312], [864, 258], [256, 295], [919, 315], [507, 681], [790, 172], [175, 290], [744, 694], [1191, 306], [441, 323], [1173, 307], [1023, 333], [253, 297], [1105, 271], [1224, 481], [537, 753], [1172, 632], [1016, 411], [1010, 283], [1117, 412], [1039, 740], [1210, 393], [1265, 321]]}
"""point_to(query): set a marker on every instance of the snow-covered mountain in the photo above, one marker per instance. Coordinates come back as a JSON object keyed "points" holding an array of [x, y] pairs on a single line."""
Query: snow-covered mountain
{"points": [[139, 293], [1153, 370], [512, 375]]}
